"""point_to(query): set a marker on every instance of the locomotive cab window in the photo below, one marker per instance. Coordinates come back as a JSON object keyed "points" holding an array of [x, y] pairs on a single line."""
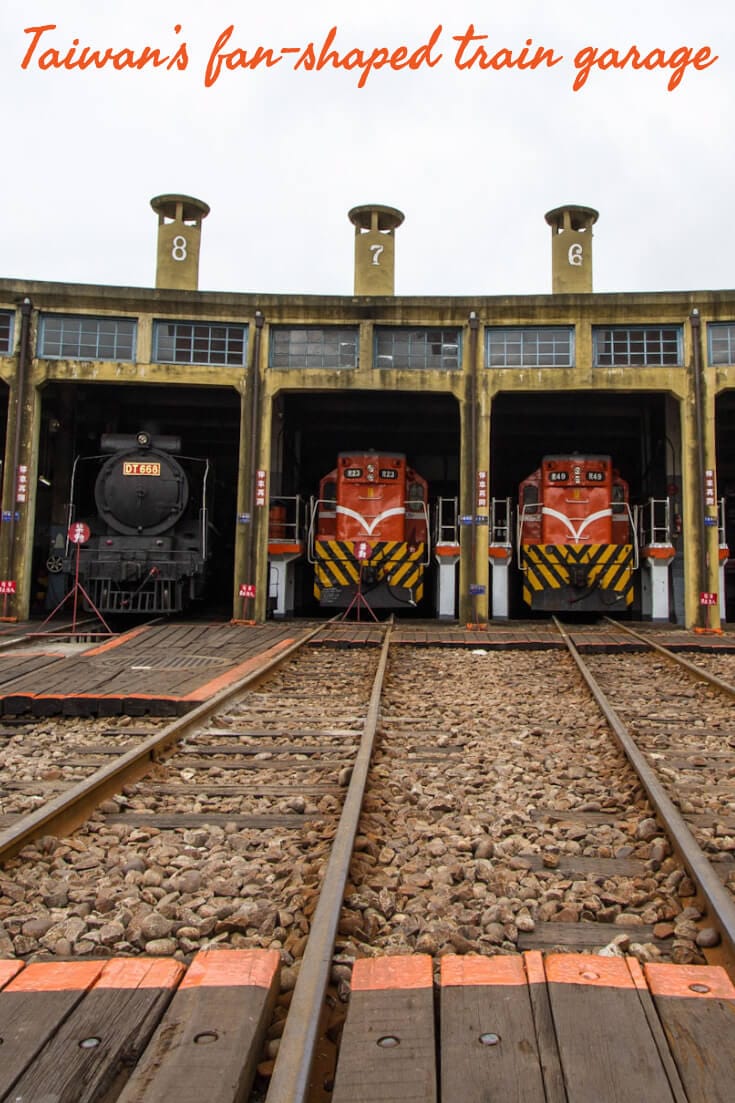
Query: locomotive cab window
{"points": [[618, 498], [415, 497]]}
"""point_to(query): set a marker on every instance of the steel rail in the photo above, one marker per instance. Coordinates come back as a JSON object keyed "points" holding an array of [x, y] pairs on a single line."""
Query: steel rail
{"points": [[290, 1080], [718, 900], [704, 675], [66, 812]]}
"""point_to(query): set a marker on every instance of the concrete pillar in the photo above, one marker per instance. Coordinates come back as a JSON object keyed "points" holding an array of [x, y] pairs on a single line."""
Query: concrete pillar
{"points": [[571, 248], [179, 237], [375, 260]]}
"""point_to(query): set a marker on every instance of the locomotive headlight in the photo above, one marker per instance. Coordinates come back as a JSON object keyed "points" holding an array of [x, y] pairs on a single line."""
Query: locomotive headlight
{"points": [[371, 471], [143, 439]]}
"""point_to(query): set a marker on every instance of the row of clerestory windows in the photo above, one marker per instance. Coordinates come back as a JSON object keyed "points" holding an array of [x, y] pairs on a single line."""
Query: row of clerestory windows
{"points": [[85, 337]]}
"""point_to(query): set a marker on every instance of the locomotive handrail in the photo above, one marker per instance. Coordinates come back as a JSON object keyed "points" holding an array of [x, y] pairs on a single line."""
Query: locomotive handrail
{"points": [[427, 521], [204, 513], [633, 522], [314, 504], [521, 520], [70, 515]]}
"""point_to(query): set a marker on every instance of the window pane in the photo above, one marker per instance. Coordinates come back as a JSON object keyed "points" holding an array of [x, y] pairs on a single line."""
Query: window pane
{"points": [[85, 338], [199, 343], [529, 346], [637, 345], [313, 347], [434, 349]]}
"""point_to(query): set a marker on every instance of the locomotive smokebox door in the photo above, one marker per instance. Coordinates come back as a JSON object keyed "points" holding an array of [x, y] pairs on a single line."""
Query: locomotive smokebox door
{"points": [[141, 491]]}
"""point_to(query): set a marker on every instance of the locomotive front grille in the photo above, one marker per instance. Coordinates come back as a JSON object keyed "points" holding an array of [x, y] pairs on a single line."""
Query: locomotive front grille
{"points": [[584, 576], [157, 596], [392, 564]]}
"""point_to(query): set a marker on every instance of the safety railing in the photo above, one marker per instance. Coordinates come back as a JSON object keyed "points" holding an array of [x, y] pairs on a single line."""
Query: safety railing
{"points": [[654, 522], [446, 529], [286, 519], [501, 521]]}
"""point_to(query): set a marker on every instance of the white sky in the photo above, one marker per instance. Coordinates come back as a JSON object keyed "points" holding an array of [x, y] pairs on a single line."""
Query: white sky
{"points": [[473, 158]]}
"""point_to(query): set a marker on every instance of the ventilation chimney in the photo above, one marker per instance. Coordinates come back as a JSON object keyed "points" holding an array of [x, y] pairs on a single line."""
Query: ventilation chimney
{"points": [[375, 259], [179, 236], [571, 248]]}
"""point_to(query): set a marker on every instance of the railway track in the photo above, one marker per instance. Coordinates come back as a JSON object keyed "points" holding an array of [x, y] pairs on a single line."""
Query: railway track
{"points": [[674, 720], [498, 816]]}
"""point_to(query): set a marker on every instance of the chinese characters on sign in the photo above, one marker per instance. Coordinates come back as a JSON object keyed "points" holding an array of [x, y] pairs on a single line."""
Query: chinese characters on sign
{"points": [[260, 481], [710, 496], [482, 490], [21, 483], [247, 590], [79, 532]]}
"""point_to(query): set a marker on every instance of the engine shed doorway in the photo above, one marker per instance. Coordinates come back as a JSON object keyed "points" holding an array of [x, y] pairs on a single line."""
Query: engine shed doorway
{"points": [[74, 417], [639, 431], [311, 429]]}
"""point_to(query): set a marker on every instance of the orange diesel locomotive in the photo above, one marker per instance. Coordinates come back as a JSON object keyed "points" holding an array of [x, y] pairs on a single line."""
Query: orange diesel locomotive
{"points": [[576, 537], [369, 527]]}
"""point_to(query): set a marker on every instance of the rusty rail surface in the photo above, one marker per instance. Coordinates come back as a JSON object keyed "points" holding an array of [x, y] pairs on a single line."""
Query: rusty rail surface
{"points": [[290, 1081], [718, 900], [66, 812]]}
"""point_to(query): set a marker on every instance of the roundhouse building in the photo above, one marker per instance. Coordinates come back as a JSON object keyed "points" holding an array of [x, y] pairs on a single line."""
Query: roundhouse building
{"points": [[473, 390]]}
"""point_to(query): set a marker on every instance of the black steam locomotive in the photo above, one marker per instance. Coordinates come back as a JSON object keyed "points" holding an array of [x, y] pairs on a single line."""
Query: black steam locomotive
{"points": [[147, 552]]}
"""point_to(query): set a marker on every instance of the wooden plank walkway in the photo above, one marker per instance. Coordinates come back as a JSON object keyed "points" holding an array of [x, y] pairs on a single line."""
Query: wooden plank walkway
{"points": [[162, 669], [166, 669], [136, 1030], [565, 1028]]}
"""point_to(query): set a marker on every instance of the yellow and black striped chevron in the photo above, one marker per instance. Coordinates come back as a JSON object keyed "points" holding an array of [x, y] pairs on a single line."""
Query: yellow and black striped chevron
{"points": [[392, 562], [587, 575]]}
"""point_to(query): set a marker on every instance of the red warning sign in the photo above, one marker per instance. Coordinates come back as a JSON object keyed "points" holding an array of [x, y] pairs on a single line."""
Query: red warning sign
{"points": [[79, 533]]}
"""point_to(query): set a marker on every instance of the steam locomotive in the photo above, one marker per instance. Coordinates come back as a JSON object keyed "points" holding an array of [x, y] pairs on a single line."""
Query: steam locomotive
{"points": [[576, 538], [369, 529], [148, 549]]}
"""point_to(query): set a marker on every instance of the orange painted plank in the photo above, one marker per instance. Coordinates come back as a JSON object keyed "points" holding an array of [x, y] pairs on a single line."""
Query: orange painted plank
{"points": [[56, 976], [9, 969], [392, 972], [140, 972], [703, 982], [534, 963], [232, 968], [124, 638], [469, 969], [588, 969]]}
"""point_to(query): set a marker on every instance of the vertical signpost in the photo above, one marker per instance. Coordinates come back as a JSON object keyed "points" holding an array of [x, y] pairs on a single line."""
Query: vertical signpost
{"points": [[362, 551]]}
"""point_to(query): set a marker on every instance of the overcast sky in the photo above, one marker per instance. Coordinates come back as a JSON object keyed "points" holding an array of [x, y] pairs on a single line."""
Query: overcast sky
{"points": [[474, 158]]}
